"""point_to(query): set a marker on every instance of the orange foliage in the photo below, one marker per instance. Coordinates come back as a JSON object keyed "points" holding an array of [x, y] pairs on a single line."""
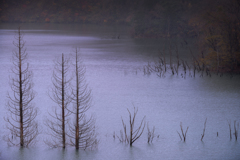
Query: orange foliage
{"points": [[47, 20]]}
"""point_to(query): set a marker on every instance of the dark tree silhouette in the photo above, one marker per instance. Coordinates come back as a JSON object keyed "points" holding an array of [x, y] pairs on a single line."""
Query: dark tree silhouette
{"points": [[60, 95], [82, 131], [205, 123], [22, 112]]}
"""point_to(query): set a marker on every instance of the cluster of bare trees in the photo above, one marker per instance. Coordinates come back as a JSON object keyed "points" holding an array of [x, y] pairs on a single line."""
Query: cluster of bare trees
{"points": [[133, 134], [21, 116], [70, 125], [177, 66], [236, 128]]}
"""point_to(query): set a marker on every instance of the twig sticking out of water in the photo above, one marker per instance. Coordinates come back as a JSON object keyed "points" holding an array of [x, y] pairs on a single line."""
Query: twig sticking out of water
{"points": [[204, 129], [150, 134], [114, 135], [184, 67], [183, 137], [229, 124], [236, 127], [123, 136], [134, 134]]}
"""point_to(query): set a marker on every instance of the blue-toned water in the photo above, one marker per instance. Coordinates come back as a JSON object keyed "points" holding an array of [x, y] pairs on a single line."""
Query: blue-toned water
{"points": [[115, 75]]}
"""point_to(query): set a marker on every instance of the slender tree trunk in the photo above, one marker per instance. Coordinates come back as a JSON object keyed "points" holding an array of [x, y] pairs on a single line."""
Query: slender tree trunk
{"points": [[78, 105], [131, 132], [63, 102], [165, 67], [20, 90]]}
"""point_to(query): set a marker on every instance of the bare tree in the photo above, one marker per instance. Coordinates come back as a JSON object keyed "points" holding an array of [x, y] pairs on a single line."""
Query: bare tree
{"points": [[82, 131], [236, 127], [134, 134], [184, 135], [151, 134], [22, 113], [61, 96]]}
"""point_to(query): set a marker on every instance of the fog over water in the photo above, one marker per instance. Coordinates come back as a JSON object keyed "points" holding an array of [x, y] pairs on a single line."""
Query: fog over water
{"points": [[115, 75]]}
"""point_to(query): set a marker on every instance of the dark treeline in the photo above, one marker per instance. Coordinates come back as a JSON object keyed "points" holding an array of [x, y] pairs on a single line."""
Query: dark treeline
{"points": [[215, 24], [149, 18]]}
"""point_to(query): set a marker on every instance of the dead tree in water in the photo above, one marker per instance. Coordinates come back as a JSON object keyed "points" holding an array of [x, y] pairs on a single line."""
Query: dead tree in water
{"points": [[204, 129], [150, 134], [60, 95], [230, 130], [21, 121], [178, 63], [170, 54], [82, 133], [158, 66], [134, 134], [236, 127], [183, 137]]}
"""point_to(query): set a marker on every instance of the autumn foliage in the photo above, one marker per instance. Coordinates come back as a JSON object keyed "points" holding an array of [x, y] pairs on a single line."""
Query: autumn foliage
{"points": [[218, 32]]}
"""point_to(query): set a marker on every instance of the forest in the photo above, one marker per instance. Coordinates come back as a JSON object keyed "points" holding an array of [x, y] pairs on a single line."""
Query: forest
{"points": [[215, 24], [149, 18]]}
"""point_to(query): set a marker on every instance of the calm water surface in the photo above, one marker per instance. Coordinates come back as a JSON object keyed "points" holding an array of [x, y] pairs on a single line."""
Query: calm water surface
{"points": [[115, 75]]}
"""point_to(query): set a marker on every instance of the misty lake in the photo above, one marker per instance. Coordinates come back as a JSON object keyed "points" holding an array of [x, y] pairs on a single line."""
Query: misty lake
{"points": [[115, 75]]}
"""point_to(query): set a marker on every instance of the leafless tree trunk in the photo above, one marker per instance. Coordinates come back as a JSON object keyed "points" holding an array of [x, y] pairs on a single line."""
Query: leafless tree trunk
{"points": [[61, 96], [236, 127], [230, 130], [178, 63], [82, 132], [164, 61], [205, 123], [22, 112], [170, 54], [134, 134]]}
